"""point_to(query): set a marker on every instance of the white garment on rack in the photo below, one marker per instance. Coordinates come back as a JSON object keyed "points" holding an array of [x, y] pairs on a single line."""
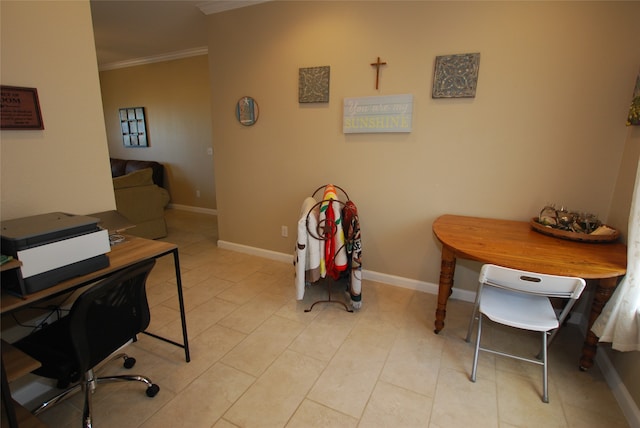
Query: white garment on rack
{"points": [[308, 247]]}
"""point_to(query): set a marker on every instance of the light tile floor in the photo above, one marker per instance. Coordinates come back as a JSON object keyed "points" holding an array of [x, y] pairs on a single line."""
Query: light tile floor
{"points": [[258, 360]]}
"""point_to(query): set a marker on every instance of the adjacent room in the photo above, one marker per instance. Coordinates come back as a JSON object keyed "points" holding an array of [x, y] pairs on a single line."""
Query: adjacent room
{"points": [[211, 140]]}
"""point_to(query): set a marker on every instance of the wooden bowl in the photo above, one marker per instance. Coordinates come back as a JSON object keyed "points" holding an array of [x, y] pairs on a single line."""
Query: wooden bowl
{"points": [[572, 236]]}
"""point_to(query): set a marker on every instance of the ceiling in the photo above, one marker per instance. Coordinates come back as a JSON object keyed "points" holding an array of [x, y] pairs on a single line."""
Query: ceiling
{"points": [[137, 31]]}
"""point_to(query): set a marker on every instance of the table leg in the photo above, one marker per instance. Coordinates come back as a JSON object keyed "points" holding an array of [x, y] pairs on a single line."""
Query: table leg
{"points": [[447, 270], [183, 319], [604, 290]]}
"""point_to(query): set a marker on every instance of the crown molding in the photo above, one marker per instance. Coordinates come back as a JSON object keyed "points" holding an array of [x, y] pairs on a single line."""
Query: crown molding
{"points": [[156, 58], [206, 7], [215, 6]]}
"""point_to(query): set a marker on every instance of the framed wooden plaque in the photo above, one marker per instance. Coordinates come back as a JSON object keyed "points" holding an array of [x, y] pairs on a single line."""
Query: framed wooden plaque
{"points": [[20, 108]]}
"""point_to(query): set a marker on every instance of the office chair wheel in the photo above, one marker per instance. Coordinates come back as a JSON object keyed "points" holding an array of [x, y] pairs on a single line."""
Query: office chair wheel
{"points": [[129, 362], [153, 390]]}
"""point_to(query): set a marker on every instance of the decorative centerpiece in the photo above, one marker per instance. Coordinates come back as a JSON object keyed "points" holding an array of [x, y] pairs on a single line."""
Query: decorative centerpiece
{"points": [[562, 223]]}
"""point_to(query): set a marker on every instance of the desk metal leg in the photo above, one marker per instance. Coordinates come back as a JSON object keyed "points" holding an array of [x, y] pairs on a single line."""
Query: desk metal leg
{"points": [[447, 270], [604, 290], [183, 317]]}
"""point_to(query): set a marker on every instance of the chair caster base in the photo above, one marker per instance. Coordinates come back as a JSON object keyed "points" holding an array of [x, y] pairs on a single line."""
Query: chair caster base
{"points": [[129, 362], [152, 391]]}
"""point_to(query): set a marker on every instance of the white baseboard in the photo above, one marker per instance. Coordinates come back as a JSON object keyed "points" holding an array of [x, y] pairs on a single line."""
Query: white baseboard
{"points": [[201, 210], [267, 254], [413, 284], [620, 392], [396, 281]]}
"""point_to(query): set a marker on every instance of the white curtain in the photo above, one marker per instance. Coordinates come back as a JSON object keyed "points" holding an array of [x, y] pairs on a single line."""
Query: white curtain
{"points": [[619, 322]]}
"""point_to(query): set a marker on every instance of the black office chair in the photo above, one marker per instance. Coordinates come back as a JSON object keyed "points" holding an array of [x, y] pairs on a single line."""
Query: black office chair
{"points": [[102, 320]]}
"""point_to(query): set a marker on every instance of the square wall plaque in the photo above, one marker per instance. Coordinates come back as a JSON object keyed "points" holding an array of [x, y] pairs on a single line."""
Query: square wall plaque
{"points": [[313, 85], [456, 76]]}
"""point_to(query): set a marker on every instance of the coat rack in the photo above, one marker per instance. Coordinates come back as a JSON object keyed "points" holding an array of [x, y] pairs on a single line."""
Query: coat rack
{"points": [[341, 251]]}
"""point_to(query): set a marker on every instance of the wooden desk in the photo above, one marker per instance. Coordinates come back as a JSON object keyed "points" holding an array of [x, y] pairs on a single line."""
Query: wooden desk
{"points": [[129, 252], [515, 245], [15, 364]]}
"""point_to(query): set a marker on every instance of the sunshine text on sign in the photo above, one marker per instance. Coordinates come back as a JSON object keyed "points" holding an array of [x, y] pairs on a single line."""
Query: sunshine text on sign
{"points": [[376, 122]]}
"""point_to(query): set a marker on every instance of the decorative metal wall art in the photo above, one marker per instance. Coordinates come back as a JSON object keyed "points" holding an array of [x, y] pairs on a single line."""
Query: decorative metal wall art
{"points": [[456, 76], [313, 84], [133, 127]]}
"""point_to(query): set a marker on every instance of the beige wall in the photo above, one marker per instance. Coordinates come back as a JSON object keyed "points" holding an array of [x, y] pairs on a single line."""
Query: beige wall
{"points": [[546, 125], [175, 95], [65, 167]]}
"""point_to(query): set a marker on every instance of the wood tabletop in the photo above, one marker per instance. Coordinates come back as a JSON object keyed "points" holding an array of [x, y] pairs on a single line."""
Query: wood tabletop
{"points": [[516, 245], [126, 253], [16, 363]]}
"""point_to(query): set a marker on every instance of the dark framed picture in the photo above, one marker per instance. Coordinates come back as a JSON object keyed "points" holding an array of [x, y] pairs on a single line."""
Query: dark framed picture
{"points": [[133, 127], [20, 108]]}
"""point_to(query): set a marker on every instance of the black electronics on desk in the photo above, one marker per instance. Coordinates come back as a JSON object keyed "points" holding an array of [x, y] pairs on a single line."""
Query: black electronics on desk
{"points": [[51, 248]]}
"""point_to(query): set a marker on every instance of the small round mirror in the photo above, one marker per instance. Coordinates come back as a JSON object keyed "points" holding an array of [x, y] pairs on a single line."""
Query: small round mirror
{"points": [[247, 111]]}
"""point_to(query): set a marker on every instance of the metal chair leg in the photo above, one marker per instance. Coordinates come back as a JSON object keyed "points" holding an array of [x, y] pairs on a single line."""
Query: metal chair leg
{"points": [[545, 390], [473, 318], [477, 349], [58, 398], [476, 303], [88, 386]]}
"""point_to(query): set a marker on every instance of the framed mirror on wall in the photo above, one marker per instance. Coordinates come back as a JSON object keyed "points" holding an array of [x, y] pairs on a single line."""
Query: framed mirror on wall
{"points": [[247, 111]]}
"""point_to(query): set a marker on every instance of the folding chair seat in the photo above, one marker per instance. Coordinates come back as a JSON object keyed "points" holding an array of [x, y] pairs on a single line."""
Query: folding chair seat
{"points": [[521, 299]]}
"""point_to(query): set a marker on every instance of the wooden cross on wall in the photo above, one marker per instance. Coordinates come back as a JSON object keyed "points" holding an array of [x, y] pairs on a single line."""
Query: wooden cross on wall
{"points": [[377, 65]]}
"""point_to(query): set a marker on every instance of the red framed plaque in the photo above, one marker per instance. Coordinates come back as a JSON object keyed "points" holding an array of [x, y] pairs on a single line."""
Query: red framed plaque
{"points": [[20, 108]]}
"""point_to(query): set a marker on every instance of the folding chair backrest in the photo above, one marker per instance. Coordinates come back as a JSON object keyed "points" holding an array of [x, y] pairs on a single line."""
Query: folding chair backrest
{"points": [[532, 283]]}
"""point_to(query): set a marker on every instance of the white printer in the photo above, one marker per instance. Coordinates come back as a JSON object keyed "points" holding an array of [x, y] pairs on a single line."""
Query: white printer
{"points": [[51, 248]]}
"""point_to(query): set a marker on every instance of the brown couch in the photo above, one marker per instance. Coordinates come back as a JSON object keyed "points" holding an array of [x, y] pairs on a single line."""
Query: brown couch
{"points": [[140, 196]]}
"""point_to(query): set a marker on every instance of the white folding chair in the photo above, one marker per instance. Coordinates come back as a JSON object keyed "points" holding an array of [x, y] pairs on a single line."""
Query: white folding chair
{"points": [[520, 299]]}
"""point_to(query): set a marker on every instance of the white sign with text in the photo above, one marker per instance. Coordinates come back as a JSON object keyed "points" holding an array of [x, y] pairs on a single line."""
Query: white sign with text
{"points": [[391, 113]]}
